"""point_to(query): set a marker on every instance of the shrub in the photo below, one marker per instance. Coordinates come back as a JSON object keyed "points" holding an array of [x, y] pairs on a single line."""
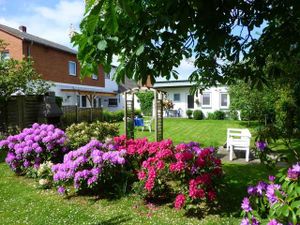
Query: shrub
{"points": [[80, 134], [278, 200], [233, 115], [34, 146], [146, 101], [189, 113], [90, 167], [45, 175], [198, 115], [219, 115], [216, 115], [192, 172]]}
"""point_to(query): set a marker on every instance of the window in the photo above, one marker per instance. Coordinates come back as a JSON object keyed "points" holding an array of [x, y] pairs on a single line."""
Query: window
{"points": [[95, 77], [72, 68], [190, 99], [113, 102], [224, 100], [176, 97], [4, 55], [83, 101], [206, 100]]}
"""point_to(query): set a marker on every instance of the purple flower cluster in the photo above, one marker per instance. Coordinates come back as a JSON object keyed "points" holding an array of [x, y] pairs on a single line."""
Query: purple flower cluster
{"points": [[294, 172], [33, 146], [83, 167], [261, 145], [254, 221]]}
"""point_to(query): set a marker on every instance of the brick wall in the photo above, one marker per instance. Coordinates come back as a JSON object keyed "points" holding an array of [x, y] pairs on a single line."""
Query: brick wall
{"points": [[52, 64], [14, 45]]}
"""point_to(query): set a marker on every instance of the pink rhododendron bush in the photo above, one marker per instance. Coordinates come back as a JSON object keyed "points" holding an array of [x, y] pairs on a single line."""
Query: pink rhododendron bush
{"points": [[34, 146], [277, 201], [190, 172]]}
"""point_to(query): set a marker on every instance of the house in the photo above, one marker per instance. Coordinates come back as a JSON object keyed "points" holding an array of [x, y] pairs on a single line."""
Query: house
{"points": [[210, 100], [58, 64]]}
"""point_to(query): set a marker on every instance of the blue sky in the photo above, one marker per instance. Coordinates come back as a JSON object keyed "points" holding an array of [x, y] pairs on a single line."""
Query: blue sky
{"points": [[51, 19]]}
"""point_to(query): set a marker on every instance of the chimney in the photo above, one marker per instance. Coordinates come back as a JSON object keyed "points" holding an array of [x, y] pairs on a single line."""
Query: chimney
{"points": [[23, 28]]}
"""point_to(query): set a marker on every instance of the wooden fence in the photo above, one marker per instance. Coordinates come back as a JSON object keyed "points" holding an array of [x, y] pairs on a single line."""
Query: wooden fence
{"points": [[19, 111], [74, 114]]}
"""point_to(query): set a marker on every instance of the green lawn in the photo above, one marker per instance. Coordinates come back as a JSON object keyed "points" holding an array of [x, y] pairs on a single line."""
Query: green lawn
{"points": [[207, 132], [22, 203]]}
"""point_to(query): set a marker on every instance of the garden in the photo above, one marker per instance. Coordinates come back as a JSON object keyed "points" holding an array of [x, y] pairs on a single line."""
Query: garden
{"points": [[89, 174]]}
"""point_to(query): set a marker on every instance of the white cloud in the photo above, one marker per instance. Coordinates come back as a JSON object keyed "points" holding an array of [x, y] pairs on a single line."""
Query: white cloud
{"points": [[51, 23]]}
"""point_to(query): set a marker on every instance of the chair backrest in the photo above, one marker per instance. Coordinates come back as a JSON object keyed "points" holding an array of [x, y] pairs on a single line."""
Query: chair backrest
{"points": [[238, 133]]}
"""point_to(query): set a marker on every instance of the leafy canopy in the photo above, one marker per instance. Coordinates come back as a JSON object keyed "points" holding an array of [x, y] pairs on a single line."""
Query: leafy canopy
{"points": [[150, 38], [19, 76]]}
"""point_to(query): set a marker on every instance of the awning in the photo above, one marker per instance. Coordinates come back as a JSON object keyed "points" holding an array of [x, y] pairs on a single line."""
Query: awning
{"points": [[91, 92]]}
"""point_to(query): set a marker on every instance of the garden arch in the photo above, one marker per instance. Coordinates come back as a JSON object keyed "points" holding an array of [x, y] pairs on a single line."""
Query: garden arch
{"points": [[157, 111]]}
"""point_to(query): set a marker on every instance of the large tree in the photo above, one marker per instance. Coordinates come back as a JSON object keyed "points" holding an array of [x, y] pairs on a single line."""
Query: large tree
{"points": [[19, 76], [151, 37]]}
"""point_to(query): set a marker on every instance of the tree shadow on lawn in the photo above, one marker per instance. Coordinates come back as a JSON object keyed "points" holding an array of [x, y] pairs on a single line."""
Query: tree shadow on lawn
{"points": [[237, 179], [114, 220]]}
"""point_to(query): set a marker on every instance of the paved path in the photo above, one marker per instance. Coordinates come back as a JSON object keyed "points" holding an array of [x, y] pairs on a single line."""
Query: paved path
{"points": [[238, 156]]}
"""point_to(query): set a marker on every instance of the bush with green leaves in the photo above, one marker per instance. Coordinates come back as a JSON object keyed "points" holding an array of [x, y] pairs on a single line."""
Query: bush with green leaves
{"points": [[189, 113], [146, 101], [198, 115], [216, 115], [80, 134], [277, 201]]}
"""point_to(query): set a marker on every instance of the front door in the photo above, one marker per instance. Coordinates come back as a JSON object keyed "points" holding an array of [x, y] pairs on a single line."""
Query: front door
{"points": [[190, 99]]}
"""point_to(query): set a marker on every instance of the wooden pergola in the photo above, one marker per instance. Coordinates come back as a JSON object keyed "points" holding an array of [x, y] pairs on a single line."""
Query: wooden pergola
{"points": [[158, 111]]}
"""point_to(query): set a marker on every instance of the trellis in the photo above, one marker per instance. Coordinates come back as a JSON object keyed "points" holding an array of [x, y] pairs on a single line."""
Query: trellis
{"points": [[158, 111]]}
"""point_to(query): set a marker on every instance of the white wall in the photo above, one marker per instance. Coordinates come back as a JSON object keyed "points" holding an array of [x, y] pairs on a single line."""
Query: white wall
{"points": [[183, 103]]}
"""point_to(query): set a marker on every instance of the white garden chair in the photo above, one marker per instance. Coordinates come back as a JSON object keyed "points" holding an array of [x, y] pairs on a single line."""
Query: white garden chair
{"points": [[148, 124], [238, 139]]}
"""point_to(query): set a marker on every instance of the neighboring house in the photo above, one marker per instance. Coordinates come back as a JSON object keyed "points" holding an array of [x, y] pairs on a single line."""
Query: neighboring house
{"points": [[59, 65], [212, 99]]}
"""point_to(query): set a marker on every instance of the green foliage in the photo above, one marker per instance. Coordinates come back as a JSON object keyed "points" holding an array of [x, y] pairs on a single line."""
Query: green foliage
{"points": [[111, 117], [198, 115], [146, 101], [254, 104], [150, 38], [19, 76], [217, 115], [233, 115], [80, 134], [189, 113]]}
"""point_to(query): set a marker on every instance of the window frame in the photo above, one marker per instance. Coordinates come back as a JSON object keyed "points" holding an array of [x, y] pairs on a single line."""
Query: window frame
{"points": [[5, 54], [74, 63], [210, 100], [227, 106], [178, 96], [114, 105]]}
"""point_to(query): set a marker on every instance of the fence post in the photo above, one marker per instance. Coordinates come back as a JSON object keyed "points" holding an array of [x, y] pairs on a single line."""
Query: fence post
{"points": [[20, 105], [91, 114], [76, 112]]}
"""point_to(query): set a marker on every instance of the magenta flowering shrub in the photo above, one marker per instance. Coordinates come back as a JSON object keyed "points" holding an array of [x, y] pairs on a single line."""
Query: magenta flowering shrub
{"points": [[278, 202], [33, 146], [195, 171], [91, 166]]}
